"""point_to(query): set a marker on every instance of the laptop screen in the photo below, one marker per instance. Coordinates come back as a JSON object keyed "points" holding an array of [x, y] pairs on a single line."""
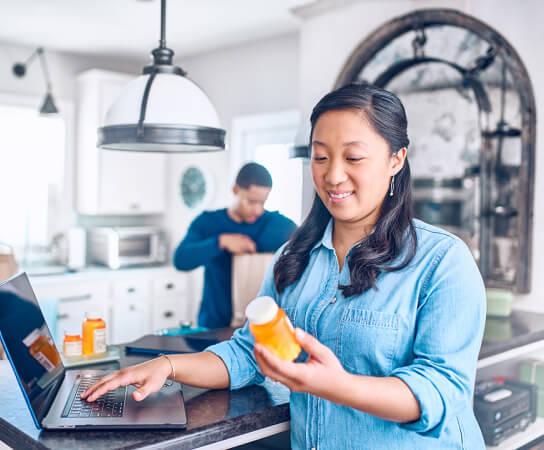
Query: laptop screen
{"points": [[28, 344]]}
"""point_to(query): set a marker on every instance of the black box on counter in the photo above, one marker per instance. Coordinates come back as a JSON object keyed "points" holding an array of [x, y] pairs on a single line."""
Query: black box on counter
{"points": [[504, 409]]}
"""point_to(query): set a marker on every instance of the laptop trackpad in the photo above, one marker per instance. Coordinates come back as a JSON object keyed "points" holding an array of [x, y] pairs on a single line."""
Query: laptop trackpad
{"points": [[167, 404], [168, 396]]}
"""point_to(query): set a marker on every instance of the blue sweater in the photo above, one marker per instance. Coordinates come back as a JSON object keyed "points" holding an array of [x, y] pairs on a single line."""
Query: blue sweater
{"points": [[200, 247]]}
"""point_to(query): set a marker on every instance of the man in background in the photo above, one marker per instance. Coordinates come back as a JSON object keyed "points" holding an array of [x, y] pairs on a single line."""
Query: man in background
{"points": [[214, 236]]}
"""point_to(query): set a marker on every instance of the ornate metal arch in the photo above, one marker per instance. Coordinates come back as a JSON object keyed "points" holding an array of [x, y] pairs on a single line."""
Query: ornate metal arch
{"points": [[426, 18]]}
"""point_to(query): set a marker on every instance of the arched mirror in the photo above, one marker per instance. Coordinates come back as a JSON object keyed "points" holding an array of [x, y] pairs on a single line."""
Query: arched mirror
{"points": [[471, 115]]}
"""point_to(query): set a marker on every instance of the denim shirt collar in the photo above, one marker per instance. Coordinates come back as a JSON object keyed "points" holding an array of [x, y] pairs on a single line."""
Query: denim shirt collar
{"points": [[326, 239]]}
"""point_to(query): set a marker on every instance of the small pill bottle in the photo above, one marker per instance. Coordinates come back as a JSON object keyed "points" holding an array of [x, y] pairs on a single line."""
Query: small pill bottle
{"points": [[42, 349], [72, 344], [272, 328], [94, 334]]}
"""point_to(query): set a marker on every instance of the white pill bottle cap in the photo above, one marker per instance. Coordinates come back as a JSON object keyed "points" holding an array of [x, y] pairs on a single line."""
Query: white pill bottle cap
{"points": [[261, 310]]}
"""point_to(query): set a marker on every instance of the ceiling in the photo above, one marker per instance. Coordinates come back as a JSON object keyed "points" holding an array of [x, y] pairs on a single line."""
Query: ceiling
{"points": [[131, 28]]}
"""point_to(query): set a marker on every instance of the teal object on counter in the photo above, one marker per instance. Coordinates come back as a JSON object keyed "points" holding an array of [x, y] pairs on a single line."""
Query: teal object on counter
{"points": [[532, 371], [179, 331], [499, 302]]}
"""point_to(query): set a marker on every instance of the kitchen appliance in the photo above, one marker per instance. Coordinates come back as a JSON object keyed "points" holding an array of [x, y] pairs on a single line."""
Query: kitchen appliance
{"points": [[70, 248], [504, 409], [127, 246]]}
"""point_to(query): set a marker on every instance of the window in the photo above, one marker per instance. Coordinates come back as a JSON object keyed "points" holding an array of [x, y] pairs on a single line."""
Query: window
{"points": [[266, 139], [32, 178]]}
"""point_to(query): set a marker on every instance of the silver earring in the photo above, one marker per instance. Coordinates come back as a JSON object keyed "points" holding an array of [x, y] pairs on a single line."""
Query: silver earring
{"points": [[392, 188]]}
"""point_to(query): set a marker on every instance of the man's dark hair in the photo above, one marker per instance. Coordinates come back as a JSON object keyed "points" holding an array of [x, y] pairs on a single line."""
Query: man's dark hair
{"points": [[253, 173]]}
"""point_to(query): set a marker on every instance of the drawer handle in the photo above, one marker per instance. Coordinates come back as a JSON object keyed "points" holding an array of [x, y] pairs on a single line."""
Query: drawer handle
{"points": [[131, 290], [168, 314], [75, 298], [170, 286], [63, 316]]}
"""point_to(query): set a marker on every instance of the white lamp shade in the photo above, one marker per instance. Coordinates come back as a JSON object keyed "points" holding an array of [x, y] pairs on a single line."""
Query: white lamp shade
{"points": [[178, 118], [173, 100]]}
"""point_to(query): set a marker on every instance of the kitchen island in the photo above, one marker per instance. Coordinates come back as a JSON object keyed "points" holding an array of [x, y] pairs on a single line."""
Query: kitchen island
{"points": [[222, 419], [217, 419]]}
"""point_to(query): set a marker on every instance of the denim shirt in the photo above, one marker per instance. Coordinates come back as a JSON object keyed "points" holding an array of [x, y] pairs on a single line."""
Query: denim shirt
{"points": [[423, 324]]}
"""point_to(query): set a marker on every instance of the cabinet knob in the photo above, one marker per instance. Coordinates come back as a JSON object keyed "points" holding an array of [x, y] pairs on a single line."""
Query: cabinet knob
{"points": [[131, 290], [132, 308], [170, 286], [134, 206], [168, 314]]}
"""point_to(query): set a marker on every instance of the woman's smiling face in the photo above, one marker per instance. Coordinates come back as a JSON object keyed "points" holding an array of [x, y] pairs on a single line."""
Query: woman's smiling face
{"points": [[352, 166]]}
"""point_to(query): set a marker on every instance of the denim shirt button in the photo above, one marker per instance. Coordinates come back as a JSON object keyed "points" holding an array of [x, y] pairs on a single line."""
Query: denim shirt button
{"points": [[333, 300]]}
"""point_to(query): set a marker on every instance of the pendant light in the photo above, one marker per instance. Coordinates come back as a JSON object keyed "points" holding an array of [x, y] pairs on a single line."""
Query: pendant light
{"points": [[19, 70], [301, 146], [162, 111]]}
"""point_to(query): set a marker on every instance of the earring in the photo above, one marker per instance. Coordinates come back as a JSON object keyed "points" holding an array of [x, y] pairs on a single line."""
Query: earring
{"points": [[392, 188]]}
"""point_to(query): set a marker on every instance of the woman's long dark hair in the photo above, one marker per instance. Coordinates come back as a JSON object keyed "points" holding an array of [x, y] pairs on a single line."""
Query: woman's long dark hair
{"points": [[394, 229]]}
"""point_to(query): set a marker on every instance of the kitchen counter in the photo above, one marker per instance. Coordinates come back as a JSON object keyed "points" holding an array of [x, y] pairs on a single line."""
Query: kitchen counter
{"points": [[503, 334], [214, 417]]}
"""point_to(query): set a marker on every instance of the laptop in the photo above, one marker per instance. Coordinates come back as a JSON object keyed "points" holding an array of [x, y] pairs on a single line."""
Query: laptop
{"points": [[52, 392]]}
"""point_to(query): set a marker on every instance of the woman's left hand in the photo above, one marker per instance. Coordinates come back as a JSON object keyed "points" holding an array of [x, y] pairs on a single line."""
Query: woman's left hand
{"points": [[314, 376]]}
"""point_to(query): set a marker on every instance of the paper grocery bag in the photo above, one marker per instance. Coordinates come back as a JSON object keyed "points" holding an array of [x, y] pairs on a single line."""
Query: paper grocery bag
{"points": [[247, 276]]}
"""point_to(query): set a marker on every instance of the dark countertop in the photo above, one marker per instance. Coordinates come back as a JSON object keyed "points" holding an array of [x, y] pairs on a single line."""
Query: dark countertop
{"points": [[213, 416], [502, 334]]}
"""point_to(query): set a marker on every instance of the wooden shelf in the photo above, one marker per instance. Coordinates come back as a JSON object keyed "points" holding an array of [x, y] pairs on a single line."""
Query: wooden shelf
{"points": [[533, 431]]}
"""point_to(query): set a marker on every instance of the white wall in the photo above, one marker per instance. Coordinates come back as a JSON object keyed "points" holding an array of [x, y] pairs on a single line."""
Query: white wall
{"points": [[327, 39], [63, 67], [253, 78]]}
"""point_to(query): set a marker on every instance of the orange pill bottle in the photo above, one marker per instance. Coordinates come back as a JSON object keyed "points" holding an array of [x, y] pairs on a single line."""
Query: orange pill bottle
{"points": [[94, 334], [72, 344], [272, 328]]}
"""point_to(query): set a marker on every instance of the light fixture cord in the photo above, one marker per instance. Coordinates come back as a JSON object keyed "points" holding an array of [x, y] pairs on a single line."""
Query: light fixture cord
{"points": [[45, 70], [162, 42]]}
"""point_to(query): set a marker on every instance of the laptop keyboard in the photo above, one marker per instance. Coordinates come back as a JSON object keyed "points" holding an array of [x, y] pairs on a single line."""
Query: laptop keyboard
{"points": [[108, 405]]}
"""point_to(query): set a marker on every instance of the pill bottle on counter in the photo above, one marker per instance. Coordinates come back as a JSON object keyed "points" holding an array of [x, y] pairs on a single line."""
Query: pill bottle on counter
{"points": [[94, 334], [272, 328], [72, 344]]}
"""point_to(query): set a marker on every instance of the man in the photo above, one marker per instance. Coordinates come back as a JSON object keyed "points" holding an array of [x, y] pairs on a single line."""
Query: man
{"points": [[214, 236]]}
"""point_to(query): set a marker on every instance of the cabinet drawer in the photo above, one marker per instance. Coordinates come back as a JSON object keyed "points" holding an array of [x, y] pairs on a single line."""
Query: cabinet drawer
{"points": [[131, 290], [169, 285], [73, 292], [169, 312], [130, 321]]}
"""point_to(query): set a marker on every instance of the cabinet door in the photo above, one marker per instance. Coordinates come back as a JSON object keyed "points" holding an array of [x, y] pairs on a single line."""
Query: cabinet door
{"points": [[64, 304], [131, 183], [168, 312], [112, 182], [130, 320]]}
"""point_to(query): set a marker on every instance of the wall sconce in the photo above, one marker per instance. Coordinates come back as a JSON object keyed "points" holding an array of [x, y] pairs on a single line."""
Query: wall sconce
{"points": [[19, 70]]}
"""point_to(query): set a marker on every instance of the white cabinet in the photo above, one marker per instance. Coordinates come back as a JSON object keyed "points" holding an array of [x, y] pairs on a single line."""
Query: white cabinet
{"points": [[130, 310], [64, 305], [171, 301], [133, 302], [112, 182]]}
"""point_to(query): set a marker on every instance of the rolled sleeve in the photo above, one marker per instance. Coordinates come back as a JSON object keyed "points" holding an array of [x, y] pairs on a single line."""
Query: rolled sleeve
{"points": [[237, 352], [449, 330]]}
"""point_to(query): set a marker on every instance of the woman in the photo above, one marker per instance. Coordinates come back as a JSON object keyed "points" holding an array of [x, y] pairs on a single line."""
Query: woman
{"points": [[392, 309]]}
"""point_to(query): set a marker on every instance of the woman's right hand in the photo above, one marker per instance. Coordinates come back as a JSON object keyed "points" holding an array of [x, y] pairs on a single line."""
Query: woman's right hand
{"points": [[147, 377]]}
